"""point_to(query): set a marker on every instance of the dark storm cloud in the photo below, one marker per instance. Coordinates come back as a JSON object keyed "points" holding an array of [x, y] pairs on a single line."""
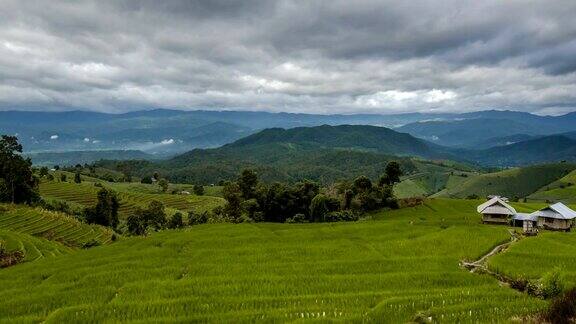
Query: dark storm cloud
{"points": [[305, 56]]}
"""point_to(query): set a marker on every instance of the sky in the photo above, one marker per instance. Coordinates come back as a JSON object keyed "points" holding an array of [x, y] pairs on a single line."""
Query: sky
{"points": [[294, 56]]}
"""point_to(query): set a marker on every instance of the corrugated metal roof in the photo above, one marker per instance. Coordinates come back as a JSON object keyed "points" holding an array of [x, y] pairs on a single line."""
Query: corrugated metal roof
{"points": [[558, 211], [496, 201], [524, 216]]}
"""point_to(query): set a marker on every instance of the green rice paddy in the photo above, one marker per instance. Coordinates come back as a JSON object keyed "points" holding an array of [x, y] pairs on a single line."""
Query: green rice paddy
{"points": [[394, 267]]}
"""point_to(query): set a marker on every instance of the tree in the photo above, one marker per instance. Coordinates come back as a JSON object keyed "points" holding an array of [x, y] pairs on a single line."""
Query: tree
{"points": [[198, 190], [146, 180], [17, 181], [105, 212], [233, 196], [163, 183], [318, 208], [392, 174], [247, 183], [362, 184], [176, 221], [156, 215], [77, 178], [63, 177], [43, 172], [136, 223], [56, 167]]}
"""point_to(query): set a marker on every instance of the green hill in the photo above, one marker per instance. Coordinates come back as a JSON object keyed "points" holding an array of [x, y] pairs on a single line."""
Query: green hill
{"points": [[324, 153], [547, 149], [564, 190], [371, 271], [517, 182]]}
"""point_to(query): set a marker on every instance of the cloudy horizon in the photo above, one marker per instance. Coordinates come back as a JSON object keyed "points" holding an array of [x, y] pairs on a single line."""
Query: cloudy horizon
{"points": [[289, 56]]}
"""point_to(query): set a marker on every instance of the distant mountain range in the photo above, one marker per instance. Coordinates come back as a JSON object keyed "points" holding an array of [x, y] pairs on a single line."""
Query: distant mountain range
{"points": [[473, 129], [175, 131]]}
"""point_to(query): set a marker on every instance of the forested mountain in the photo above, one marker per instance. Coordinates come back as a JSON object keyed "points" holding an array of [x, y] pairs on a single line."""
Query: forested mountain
{"points": [[553, 148], [472, 129], [323, 153]]}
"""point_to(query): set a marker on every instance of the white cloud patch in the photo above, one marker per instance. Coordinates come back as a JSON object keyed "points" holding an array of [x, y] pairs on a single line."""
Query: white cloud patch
{"points": [[54, 137], [297, 56], [167, 142]]}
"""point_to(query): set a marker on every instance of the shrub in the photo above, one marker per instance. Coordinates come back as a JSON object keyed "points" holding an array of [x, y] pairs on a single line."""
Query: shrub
{"points": [[562, 309], [552, 283], [10, 258], [341, 216], [176, 221], [197, 218], [198, 190], [91, 243], [298, 218]]}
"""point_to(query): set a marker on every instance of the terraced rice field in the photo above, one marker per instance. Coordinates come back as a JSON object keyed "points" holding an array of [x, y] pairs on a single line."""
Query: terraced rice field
{"points": [[85, 194], [397, 267], [52, 226], [34, 248]]}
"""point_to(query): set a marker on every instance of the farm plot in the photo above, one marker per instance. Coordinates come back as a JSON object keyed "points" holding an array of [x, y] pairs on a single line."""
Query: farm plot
{"points": [[532, 257], [85, 194], [51, 226], [33, 248], [400, 266]]}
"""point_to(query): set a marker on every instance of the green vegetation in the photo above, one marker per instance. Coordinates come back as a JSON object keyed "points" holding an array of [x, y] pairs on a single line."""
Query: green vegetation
{"points": [[517, 182], [563, 190], [52, 226], [131, 195], [17, 183], [401, 266]]}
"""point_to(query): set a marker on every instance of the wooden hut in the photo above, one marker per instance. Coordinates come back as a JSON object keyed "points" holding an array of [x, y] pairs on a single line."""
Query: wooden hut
{"points": [[557, 217], [496, 211], [528, 222]]}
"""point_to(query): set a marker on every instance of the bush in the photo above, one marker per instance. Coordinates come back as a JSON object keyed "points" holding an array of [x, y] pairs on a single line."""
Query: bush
{"points": [[552, 283], [89, 244], [197, 218], [298, 218], [176, 221], [341, 216], [10, 258], [562, 309], [198, 190]]}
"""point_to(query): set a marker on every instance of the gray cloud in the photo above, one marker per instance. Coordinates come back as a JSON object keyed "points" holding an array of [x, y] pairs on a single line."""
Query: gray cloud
{"points": [[301, 56]]}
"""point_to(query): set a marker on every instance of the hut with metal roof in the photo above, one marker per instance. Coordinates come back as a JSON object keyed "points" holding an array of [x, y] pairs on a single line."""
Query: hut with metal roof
{"points": [[556, 217], [496, 211], [528, 222]]}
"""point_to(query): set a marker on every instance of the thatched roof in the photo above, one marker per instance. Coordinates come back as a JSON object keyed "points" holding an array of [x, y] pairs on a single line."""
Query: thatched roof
{"points": [[496, 206]]}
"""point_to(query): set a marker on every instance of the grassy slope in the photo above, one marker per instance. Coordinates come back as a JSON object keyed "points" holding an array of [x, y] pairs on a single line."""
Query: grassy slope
{"points": [[34, 248], [518, 182], [563, 190], [534, 256], [132, 195], [383, 270], [51, 226]]}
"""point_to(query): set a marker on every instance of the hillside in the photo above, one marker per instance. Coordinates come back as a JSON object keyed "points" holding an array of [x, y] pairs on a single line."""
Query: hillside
{"points": [[363, 271], [516, 182], [51, 226], [324, 153], [563, 189], [82, 157], [553, 148], [84, 194], [470, 129]]}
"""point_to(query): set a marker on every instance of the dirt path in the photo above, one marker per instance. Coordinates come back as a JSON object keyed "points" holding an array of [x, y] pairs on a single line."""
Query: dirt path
{"points": [[480, 264]]}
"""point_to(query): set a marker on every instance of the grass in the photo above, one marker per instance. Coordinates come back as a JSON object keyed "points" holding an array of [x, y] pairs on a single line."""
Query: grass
{"points": [[52, 226], [385, 269], [132, 195], [517, 182], [564, 190], [34, 248], [532, 257]]}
